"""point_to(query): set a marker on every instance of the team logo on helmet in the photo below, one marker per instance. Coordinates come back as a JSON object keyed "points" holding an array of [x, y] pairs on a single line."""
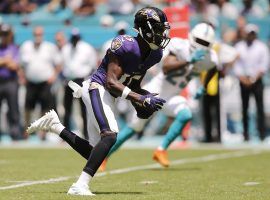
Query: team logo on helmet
{"points": [[116, 44], [150, 14]]}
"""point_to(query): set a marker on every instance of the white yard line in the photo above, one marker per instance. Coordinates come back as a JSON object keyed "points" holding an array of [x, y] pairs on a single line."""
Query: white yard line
{"points": [[207, 158], [3, 162], [27, 183], [251, 183]]}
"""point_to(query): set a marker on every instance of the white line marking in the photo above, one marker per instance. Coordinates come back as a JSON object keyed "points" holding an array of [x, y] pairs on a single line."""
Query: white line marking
{"points": [[18, 181], [3, 162], [251, 183], [52, 180], [207, 158], [148, 182]]}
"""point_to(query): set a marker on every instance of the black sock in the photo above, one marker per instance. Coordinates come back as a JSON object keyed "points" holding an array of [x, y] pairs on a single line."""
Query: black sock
{"points": [[99, 153], [80, 145]]}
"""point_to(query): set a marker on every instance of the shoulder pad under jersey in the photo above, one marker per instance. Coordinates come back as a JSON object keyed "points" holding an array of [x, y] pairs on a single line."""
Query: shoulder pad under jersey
{"points": [[122, 44]]}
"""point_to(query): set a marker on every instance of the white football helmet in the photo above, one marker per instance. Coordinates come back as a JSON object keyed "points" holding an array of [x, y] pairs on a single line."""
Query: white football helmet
{"points": [[202, 36]]}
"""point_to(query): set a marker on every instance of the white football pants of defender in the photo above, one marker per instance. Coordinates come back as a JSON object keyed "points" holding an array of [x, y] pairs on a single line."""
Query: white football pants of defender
{"points": [[171, 108], [108, 104]]}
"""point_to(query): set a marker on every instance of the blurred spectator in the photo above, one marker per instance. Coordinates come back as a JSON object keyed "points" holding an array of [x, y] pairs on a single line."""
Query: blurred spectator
{"points": [[254, 8], [6, 6], [74, 4], [198, 8], [41, 2], [211, 104], [88, 7], [229, 36], [23, 6], [223, 8], [79, 59], [9, 66], [211, 107], [56, 5], [40, 60], [60, 39], [180, 3], [240, 30], [120, 7], [106, 20], [53, 5], [60, 9], [250, 68]]}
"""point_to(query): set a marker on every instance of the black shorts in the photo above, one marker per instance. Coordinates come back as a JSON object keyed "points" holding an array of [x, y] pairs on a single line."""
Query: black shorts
{"points": [[39, 93]]}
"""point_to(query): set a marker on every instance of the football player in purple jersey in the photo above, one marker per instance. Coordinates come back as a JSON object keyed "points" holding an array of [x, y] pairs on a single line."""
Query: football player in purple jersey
{"points": [[119, 75]]}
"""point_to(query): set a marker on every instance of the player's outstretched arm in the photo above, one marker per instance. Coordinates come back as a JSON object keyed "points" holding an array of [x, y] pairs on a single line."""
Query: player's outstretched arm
{"points": [[171, 63]]}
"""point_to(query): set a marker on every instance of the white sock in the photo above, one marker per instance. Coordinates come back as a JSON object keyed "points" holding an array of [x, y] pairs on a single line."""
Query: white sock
{"points": [[57, 128], [84, 179]]}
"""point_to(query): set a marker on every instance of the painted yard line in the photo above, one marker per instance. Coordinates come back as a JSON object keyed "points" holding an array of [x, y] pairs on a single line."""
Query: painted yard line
{"points": [[3, 162], [217, 157], [52, 180], [207, 158]]}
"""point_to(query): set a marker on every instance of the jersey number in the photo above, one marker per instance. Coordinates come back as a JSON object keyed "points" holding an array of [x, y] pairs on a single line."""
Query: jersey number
{"points": [[174, 74], [127, 79]]}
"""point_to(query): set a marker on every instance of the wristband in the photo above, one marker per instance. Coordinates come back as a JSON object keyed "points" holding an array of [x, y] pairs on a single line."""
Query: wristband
{"points": [[125, 92]]}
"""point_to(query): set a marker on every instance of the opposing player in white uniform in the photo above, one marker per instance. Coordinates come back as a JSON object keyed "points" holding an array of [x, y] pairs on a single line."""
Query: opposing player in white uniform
{"points": [[182, 60]]}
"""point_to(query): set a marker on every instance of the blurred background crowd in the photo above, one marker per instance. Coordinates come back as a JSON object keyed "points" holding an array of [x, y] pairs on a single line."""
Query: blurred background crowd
{"points": [[46, 43]]}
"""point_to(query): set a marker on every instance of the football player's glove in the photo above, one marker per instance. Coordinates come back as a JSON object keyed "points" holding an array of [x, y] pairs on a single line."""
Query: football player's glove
{"points": [[152, 102], [142, 112], [200, 92], [197, 55]]}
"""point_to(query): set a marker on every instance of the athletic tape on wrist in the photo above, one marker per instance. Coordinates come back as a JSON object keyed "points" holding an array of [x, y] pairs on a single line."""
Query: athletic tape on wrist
{"points": [[125, 92]]}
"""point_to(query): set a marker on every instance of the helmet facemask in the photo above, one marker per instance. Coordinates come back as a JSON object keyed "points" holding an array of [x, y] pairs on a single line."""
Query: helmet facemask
{"points": [[198, 43], [160, 34]]}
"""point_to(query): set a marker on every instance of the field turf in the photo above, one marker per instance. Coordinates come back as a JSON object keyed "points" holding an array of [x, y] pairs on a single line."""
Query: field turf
{"points": [[46, 174]]}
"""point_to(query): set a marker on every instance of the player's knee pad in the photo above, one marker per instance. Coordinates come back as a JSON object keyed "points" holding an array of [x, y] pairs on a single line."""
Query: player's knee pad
{"points": [[108, 137], [184, 115]]}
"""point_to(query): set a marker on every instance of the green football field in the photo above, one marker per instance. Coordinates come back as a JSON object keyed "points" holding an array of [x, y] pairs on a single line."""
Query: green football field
{"points": [[36, 174]]}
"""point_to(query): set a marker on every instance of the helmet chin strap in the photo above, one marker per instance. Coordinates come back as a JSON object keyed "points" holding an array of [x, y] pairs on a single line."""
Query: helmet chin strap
{"points": [[153, 46]]}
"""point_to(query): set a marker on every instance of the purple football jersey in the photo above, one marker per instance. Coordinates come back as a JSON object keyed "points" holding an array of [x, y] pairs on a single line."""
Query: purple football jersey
{"points": [[13, 52], [128, 52]]}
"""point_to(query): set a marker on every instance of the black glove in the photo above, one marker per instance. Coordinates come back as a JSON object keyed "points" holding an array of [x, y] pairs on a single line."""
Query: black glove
{"points": [[142, 111]]}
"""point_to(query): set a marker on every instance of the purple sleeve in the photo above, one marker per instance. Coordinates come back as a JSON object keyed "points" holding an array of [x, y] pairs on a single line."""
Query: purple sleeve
{"points": [[15, 54]]}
